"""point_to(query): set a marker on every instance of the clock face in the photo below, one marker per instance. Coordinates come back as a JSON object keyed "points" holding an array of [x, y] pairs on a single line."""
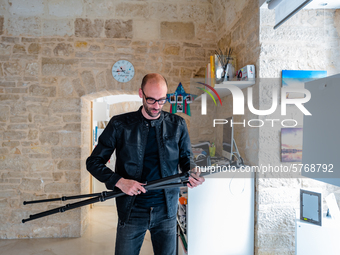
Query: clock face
{"points": [[123, 71]]}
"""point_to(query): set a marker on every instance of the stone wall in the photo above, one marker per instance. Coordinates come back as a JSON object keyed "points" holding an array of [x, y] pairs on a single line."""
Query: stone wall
{"points": [[116, 109], [308, 41], [238, 28], [56, 56]]}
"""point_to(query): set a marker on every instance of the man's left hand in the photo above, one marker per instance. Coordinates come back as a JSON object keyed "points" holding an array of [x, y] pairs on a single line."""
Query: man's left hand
{"points": [[195, 180]]}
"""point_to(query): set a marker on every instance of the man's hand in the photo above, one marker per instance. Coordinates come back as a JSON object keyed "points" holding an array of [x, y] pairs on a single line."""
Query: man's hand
{"points": [[130, 187], [195, 180]]}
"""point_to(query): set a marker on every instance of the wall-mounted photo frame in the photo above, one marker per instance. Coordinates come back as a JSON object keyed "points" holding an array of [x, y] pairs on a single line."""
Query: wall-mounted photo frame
{"points": [[172, 99], [311, 207], [296, 79], [180, 99], [179, 108], [188, 99], [291, 144]]}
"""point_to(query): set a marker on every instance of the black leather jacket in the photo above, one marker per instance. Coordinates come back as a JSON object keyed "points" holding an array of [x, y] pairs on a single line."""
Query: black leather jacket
{"points": [[127, 134]]}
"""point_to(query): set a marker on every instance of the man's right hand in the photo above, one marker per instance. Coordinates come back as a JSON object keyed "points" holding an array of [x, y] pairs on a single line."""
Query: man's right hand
{"points": [[130, 187]]}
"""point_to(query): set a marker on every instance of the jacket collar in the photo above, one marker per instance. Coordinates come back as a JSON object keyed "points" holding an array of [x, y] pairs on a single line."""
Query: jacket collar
{"points": [[152, 122]]}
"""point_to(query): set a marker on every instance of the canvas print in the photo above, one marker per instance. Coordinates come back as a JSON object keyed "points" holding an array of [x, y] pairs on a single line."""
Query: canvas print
{"points": [[291, 144], [298, 78]]}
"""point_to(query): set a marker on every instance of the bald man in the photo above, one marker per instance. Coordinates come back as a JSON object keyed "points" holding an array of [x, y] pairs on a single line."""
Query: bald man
{"points": [[149, 144]]}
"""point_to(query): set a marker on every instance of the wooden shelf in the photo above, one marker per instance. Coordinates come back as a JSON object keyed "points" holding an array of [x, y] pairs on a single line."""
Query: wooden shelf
{"points": [[222, 90]]}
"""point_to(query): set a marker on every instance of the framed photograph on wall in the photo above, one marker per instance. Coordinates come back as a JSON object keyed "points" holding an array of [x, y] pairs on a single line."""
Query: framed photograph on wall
{"points": [[179, 99], [188, 99], [172, 99], [179, 108], [296, 79], [291, 144]]}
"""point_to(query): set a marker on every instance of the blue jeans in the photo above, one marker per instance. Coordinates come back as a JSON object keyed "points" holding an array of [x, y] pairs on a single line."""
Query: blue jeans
{"points": [[130, 235]]}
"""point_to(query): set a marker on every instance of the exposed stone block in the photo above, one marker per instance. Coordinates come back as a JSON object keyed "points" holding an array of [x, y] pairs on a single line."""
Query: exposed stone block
{"points": [[63, 188], [73, 176], [99, 8], [85, 27], [12, 68], [45, 119], [57, 176], [78, 87], [58, 67], [72, 127], [163, 11], [18, 48], [49, 138], [66, 152], [277, 240], [63, 49], [88, 81], [32, 69], [33, 134], [65, 8], [17, 126], [26, 8], [30, 26], [186, 72], [115, 28], [171, 49], [66, 89], [30, 185], [177, 30], [72, 118], [5, 49], [4, 113], [146, 29], [34, 48], [36, 90], [84, 54], [14, 135], [1, 25], [68, 138], [11, 144], [36, 150], [80, 44], [68, 164], [65, 105], [10, 39], [49, 81], [132, 10], [195, 12], [18, 119], [100, 81], [58, 27]]}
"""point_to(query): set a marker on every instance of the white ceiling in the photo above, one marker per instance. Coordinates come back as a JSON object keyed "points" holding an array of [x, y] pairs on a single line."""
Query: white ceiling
{"points": [[320, 4], [316, 4]]}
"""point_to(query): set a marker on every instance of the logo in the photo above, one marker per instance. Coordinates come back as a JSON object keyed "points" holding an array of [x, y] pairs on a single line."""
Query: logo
{"points": [[238, 100], [204, 97]]}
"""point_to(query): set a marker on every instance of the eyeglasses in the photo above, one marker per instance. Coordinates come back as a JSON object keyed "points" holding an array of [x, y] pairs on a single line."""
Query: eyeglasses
{"points": [[151, 100]]}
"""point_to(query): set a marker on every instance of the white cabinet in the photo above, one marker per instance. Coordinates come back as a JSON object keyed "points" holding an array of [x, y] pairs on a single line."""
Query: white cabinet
{"points": [[220, 216], [312, 239]]}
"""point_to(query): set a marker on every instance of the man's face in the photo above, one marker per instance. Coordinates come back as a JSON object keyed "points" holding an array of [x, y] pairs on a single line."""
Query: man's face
{"points": [[153, 90]]}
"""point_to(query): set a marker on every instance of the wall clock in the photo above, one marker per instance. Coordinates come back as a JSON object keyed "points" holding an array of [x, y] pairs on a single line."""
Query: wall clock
{"points": [[123, 71]]}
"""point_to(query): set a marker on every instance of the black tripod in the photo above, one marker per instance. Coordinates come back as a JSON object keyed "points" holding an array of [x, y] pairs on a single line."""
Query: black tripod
{"points": [[174, 181]]}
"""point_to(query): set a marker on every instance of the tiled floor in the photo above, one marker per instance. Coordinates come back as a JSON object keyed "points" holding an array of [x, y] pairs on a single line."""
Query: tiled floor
{"points": [[99, 239]]}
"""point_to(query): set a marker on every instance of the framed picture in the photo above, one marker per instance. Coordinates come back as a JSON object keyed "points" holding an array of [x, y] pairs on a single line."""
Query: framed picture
{"points": [[172, 99], [179, 108], [180, 99], [296, 79], [188, 99], [291, 144], [311, 206]]}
